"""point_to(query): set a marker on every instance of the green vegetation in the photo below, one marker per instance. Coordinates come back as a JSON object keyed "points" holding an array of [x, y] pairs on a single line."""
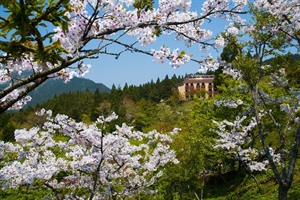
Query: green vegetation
{"points": [[202, 171]]}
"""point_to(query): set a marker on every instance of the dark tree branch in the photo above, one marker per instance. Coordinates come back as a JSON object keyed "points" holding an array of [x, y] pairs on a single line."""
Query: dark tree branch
{"points": [[262, 135], [28, 88], [294, 155]]}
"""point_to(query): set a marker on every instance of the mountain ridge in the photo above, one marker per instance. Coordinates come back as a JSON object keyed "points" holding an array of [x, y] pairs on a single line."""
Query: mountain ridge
{"points": [[53, 87]]}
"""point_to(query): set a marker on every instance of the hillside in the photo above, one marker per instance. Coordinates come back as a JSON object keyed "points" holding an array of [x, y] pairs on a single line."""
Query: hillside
{"points": [[56, 87]]}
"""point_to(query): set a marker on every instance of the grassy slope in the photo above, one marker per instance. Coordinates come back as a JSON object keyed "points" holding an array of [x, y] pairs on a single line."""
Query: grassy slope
{"points": [[244, 187]]}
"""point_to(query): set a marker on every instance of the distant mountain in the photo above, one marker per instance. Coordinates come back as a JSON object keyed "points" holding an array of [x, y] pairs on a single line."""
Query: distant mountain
{"points": [[54, 87], [293, 56]]}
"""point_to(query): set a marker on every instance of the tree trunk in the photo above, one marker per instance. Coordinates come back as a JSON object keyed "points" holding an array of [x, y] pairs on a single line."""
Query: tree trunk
{"points": [[282, 192]]}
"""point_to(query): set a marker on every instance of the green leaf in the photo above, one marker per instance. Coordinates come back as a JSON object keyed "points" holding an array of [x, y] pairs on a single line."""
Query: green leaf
{"points": [[65, 26], [61, 175], [42, 24], [157, 31], [51, 2]]}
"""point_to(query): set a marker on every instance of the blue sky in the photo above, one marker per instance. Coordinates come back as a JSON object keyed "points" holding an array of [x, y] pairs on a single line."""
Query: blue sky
{"points": [[133, 69], [136, 69]]}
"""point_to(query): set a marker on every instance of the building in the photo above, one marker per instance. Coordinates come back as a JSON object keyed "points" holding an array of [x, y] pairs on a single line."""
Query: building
{"points": [[200, 85]]}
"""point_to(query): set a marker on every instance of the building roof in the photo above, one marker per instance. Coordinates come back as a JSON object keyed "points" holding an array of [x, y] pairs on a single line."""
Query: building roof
{"points": [[198, 80]]}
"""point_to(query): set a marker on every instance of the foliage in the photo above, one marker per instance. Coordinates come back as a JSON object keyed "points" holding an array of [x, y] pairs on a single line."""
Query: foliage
{"points": [[193, 146]]}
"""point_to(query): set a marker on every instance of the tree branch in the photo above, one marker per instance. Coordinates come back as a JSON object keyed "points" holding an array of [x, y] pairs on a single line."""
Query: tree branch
{"points": [[262, 135], [45, 15]]}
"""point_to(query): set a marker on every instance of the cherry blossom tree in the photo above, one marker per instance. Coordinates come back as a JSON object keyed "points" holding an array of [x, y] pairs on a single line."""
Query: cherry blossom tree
{"points": [[76, 160], [265, 134], [46, 39]]}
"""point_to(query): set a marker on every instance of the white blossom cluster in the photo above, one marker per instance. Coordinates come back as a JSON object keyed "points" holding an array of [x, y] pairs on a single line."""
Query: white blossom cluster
{"points": [[71, 155], [228, 103], [249, 155], [279, 78], [234, 73], [212, 5], [168, 6], [220, 41], [292, 108], [176, 58], [161, 55], [235, 137], [208, 64], [287, 13], [232, 30], [285, 107]]}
